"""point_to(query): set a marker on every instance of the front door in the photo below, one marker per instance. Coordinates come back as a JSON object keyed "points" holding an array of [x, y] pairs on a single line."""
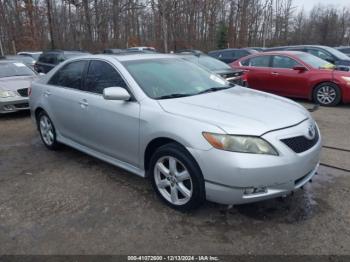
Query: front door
{"points": [[110, 127], [286, 81]]}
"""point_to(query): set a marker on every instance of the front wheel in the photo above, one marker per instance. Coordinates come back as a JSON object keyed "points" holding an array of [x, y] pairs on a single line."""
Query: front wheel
{"points": [[327, 94], [176, 178]]}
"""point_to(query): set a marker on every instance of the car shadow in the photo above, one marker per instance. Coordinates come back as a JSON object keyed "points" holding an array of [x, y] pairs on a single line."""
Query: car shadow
{"points": [[15, 115]]}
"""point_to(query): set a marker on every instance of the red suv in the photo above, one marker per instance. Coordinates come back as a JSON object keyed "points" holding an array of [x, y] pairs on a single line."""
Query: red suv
{"points": [[296, 74]]}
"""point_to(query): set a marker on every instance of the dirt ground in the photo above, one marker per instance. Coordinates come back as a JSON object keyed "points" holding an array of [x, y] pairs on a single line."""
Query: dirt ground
{"points": [[66, 202]]}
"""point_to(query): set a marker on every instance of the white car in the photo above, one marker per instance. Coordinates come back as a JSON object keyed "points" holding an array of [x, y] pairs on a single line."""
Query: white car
{"points": [[192, 133]]}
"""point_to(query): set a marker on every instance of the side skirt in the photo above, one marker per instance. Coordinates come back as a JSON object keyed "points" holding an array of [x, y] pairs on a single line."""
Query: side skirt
{"points": [[103, 157]]}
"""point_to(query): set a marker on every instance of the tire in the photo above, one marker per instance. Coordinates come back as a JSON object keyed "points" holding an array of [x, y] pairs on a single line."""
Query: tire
{"points": [[47, 131], [177, 178], [327, 94]]}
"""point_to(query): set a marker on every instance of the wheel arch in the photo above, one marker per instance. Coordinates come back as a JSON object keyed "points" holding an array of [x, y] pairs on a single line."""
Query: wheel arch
{"points": [[153, 145]]}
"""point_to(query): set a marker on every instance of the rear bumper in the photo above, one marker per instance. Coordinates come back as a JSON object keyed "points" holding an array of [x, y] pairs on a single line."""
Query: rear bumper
{"points": [[13, 104]]}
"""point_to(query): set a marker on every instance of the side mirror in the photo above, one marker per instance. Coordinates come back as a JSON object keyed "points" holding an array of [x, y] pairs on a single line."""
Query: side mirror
{"points": [[300, 68], [116, 93]]}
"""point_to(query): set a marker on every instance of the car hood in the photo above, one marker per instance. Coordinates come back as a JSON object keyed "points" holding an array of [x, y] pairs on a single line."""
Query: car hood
{"points": [[16, 82], [239, 110]]}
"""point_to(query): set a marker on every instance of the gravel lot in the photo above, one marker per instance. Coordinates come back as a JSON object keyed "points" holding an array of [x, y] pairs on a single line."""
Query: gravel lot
{"points": [[66, 202]]}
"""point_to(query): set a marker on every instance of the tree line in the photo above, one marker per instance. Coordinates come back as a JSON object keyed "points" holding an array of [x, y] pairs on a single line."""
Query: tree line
{"points": [[167, 25]]}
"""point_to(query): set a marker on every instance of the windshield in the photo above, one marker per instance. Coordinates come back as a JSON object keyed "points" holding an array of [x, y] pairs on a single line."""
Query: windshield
{"points": [[15, 69], [314, 61], [171, 76], [336, 53], [208, 62]]}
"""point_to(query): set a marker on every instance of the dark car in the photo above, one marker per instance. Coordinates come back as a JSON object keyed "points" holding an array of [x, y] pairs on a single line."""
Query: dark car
{"points": [[344, 49], [232, 75], [332, 55], [113, 51], [49, 59], [231, 54]]}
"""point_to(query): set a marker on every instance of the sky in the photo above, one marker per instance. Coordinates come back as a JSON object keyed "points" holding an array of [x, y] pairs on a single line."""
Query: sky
{"points": [[308, 4]]}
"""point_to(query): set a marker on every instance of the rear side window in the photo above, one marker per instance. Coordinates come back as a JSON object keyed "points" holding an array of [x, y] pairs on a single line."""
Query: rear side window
{"points": [[70, 75], [102, 75], [283, 62], [260, 61]]}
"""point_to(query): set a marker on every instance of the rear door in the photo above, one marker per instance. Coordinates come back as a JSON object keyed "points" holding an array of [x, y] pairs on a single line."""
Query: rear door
{"points": [[110, 127], [258, 72], [285, 80], [64, 96]]}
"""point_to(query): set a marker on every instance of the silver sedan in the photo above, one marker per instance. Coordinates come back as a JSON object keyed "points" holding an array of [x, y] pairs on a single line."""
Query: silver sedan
{"points": [[15, 80], [193, 134]]}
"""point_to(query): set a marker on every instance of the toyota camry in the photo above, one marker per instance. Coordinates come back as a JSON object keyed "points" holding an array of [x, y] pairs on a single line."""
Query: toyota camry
{"points": [[192, 133]]}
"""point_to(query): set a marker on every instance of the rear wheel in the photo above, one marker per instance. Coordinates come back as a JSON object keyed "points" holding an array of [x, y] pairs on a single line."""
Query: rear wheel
{"points": [[47, 131], [327, 94], [176, 178]]}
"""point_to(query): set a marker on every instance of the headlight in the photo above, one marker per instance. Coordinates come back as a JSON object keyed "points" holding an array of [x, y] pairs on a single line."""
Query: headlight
{"points": [[242, 144], [347, 79], [7, 93]]}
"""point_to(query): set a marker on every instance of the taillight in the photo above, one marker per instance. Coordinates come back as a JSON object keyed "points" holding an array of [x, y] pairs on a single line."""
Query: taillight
{"points": [[29, 91]]}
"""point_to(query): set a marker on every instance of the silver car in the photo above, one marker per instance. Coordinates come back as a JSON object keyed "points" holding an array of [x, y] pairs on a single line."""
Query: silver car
{"points": [[15, 80], [188, 130]]}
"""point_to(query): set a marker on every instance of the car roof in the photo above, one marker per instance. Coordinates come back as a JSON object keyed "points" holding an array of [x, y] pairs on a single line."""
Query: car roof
{"points": [[288, 53], [127, 57]]}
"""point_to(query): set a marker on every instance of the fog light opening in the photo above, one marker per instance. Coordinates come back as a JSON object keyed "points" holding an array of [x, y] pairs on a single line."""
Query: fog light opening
{"points": [[255, 190], [8, 108]]}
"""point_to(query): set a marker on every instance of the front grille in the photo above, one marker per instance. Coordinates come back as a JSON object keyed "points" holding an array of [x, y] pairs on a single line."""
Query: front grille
{"points": [[22, 105], [301, 144], [23, 92]]}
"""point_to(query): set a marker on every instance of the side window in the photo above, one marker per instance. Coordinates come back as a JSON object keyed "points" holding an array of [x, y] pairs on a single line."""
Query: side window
{"points": [[260, 61], [228, 54], [51, 59], [321, 54], [283, 62], [241, 53], [101, 75], [70, 75]]}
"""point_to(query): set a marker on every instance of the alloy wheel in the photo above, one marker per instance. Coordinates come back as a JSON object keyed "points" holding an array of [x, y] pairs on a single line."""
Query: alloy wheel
{"points": [[326, 94], [46, 130], [173, 180]]}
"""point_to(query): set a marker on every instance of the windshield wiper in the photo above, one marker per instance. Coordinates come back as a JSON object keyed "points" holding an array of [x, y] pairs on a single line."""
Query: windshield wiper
{"points": [[213, 89], [173, 96]]}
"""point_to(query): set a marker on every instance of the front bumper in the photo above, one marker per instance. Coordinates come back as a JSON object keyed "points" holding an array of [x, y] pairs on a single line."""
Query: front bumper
{"points": [[230, 195], [236, 178], [13, 104]]}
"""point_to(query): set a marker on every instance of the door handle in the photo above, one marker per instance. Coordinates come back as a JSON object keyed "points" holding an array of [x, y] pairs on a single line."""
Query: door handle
{"points": [[275, 73], [84, 103]]}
